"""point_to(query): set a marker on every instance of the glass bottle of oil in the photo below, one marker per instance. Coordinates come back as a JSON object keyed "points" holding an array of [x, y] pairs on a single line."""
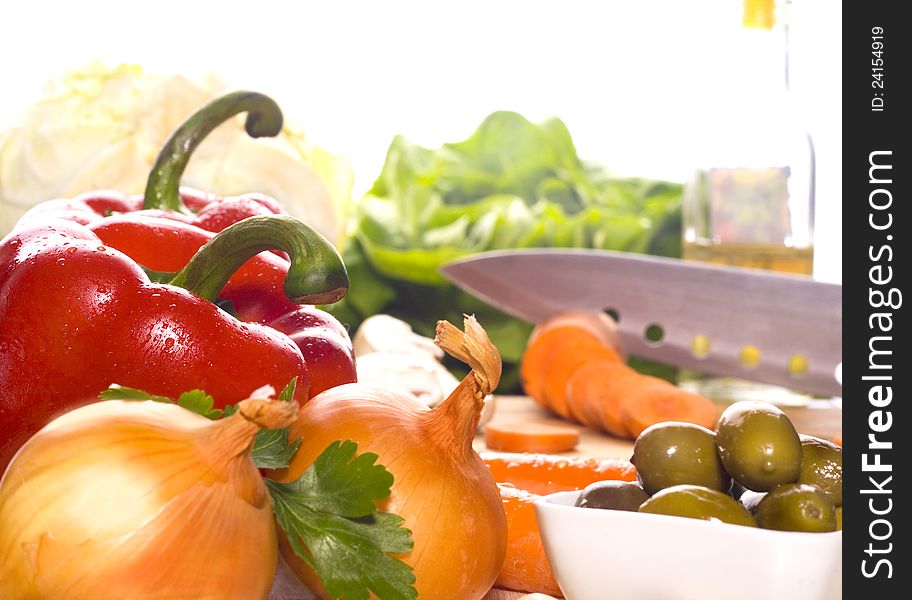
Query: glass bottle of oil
{"points": [[750, 200]]}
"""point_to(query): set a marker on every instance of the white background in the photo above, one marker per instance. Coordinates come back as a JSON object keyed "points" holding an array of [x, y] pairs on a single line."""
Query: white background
{"points": [[628, 77]]}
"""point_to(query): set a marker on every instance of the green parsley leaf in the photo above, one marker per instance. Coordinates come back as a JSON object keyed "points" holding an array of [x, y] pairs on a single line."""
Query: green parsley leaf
{"points": [[329, 516], [121, 392], [201, 403], [342, 484], [271, 449], [197, 401], [287, 394]]}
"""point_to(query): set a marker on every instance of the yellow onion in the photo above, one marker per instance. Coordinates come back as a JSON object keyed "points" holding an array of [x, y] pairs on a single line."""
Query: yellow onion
{"points": [[141, 500], [441, 488]]}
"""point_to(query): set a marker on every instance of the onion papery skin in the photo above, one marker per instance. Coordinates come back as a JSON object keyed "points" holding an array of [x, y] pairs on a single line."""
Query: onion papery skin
{"points": [[135, 500], [441, 486]]}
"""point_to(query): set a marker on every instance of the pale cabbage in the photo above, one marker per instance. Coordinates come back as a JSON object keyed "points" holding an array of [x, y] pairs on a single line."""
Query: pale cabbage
{"points": [[102, 127]]}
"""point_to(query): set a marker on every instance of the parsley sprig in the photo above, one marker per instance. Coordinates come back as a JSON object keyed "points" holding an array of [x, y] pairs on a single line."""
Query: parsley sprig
{"points": [[330, 517], [329, 514], [197, 401], [271, 448]]}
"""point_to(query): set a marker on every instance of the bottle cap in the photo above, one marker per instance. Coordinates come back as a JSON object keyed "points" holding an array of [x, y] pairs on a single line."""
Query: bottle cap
{"points": [[759, 14]]}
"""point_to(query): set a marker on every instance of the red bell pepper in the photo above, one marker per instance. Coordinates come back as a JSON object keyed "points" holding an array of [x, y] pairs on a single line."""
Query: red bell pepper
{"points": [[68, 332], [255, 291], [164, 228], [77, 316]]}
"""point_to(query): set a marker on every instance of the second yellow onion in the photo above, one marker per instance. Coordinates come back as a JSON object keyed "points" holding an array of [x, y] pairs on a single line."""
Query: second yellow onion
{"points": [[442, 488]]}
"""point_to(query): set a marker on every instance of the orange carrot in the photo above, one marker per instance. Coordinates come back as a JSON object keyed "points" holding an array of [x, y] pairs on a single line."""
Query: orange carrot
{"points": [[526, 567], [595, 391], [571, 355], [541, 346], [539, 352], [548, 473], [628, 385], [530, 437], [572, 367], [653, 403]]}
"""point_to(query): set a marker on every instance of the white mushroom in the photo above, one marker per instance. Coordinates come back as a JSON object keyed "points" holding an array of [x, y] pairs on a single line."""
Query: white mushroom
{"points": [[389, 354], [383, 333], [417, 374]]}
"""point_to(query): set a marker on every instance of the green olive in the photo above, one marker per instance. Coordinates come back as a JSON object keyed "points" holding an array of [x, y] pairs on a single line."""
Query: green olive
{"points": [[698, 502], [839, 518], [751, 500], [758, 445], [671, 453], [797, 507], [614, 495], [821, 465]]}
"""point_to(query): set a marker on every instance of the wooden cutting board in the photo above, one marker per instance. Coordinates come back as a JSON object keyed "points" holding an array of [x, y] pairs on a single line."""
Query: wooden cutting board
{"points": [[518, 410], [823, 419]]}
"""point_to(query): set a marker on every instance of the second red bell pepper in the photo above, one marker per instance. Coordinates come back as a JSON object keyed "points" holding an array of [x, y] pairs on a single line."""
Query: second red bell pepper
{"points": [[77, 316]]}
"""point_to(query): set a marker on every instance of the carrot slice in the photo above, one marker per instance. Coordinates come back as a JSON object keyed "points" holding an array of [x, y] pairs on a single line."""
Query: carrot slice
{"points": [[573, 366], [653, 404], [539, 352], [595, 391], [531, 437], [598, 323], [577, 399], [526, 567], [628, 385], [548, 473], [540, 348], [571, 355]]}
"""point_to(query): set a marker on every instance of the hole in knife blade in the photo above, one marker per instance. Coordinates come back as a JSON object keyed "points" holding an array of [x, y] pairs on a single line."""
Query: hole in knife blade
{"points": [[654, 334], [613, 313], [838, 373]]}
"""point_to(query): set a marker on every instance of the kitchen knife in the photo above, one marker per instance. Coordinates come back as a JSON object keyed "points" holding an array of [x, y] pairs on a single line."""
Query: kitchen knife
{"points": [[747, 323]]}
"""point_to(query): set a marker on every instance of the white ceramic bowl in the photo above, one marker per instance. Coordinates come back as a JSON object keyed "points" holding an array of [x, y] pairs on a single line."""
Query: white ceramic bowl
{"points": [[618, 555]]}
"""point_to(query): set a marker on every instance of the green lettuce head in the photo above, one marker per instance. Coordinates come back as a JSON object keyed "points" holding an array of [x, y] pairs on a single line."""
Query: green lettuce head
{"points": [[511, 184]]}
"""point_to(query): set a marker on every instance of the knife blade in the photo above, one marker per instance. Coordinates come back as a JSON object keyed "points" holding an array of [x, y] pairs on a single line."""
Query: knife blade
{"points": [[747, 323]]}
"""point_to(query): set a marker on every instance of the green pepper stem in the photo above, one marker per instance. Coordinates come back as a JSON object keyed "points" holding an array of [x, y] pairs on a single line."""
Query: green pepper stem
{"points": [[264, 119], [317, 274]]}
